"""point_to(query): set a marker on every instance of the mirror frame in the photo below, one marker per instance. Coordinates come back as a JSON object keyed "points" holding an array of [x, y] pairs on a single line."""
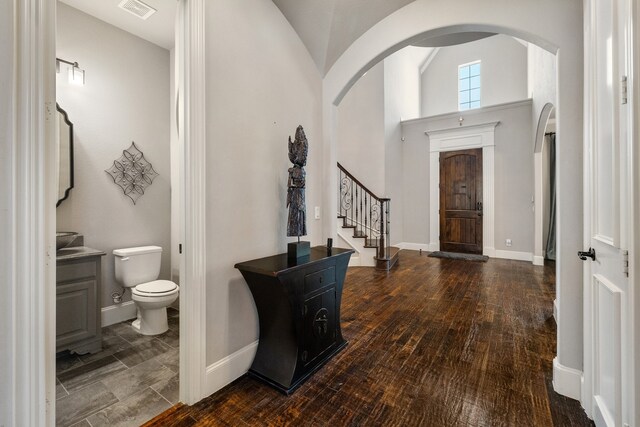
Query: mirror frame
{"points": [[66, 120]]}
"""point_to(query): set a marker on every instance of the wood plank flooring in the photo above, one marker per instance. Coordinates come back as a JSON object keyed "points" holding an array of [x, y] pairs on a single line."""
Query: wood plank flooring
{"points": [[433, 342]]}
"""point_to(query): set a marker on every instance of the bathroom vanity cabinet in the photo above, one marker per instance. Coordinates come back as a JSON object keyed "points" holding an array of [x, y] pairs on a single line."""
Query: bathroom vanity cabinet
{"points": [[78, 288], [298, 303]]}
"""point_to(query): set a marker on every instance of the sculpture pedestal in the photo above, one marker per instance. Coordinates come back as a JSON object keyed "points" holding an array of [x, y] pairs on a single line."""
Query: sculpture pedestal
{"points": [[297, 250]]}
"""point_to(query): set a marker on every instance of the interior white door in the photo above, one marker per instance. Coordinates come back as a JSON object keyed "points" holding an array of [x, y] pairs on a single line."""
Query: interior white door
{"points": [[608, 307]]}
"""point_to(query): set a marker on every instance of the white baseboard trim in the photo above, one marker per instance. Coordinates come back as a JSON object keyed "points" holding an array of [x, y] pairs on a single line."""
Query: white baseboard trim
{"points": [[514, 255], [555, 310], [118, 313], [538, 260], [414, 246], [230, 368], [434, 246], [489, 251], [566, 381]]}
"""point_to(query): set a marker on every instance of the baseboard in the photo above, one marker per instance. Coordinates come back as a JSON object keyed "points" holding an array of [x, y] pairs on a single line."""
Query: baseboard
{"points": [[118, 313], [432, 247], [489, 251], [538, 260], [414, 246], [514, 255], [566, 381], [229, 368]]}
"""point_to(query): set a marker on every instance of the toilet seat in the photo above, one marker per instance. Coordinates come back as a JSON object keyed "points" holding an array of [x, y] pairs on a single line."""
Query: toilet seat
{"points": [[155, 288]]}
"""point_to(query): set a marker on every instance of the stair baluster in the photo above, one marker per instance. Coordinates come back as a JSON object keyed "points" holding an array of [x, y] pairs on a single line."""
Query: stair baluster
{"points": [[368, 215]]}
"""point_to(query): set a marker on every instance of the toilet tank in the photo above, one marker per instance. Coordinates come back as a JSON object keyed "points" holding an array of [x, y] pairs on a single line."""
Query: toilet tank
{"points": [[137, 265]]}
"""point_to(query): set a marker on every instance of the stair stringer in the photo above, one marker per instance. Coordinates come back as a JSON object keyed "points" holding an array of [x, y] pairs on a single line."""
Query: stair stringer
{"points": [[364, 257]]}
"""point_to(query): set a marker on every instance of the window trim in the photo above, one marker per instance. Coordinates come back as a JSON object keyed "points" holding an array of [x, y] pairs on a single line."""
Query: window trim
{"points": [[478, 61]]}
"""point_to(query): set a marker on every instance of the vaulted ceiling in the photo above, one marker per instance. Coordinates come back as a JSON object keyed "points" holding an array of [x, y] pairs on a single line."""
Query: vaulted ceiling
{"points": [[329, 27]]}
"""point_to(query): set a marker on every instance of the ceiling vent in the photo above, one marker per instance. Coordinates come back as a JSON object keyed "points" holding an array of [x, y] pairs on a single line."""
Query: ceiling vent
{"points": [[137, 8]]}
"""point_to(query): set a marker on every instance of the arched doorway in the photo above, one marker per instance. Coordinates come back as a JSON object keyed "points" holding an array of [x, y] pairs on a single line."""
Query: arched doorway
{"points": [[562, 35]]}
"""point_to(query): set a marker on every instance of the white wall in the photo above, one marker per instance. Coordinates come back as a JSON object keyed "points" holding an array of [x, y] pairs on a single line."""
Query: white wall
{"points": [[503, 74], [360, 130], [125, 98], [402, 102], [262, 84], [7, 329], [513, 174], [541, 79]]}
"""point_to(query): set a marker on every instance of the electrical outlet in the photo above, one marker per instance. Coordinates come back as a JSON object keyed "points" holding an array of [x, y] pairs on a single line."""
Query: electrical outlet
{"points": [[317, 212], [508, 243]]}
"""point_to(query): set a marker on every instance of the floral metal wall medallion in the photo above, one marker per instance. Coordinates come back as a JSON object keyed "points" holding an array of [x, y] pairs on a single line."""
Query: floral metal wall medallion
{"points": [[132, 172]]}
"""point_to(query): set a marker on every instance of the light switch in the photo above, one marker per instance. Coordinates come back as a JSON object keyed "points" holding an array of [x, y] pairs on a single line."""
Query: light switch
{"points": [[317, 212]]}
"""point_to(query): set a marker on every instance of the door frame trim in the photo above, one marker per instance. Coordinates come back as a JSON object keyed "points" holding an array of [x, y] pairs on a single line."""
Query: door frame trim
{"points": [[32, 214], [464, 138], [191, 81]]}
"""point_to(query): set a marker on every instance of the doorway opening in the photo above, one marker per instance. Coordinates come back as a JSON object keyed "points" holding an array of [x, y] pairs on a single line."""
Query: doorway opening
{"points": [[118, 339]]}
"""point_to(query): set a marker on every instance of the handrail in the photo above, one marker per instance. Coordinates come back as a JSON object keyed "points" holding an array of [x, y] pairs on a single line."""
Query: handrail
{"points": [[365, 212], [354, 179]]}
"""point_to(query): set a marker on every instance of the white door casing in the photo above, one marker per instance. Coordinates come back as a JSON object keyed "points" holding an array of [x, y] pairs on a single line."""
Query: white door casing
{"points": [[464, 138], [608, 299]]}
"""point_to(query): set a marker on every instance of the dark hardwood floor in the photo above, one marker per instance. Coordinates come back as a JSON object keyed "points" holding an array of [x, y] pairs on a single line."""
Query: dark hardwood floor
{"points": [[433, 342]]}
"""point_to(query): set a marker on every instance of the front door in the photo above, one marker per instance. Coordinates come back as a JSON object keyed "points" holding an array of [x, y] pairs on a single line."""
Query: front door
{"points": [[608, 306], [461, 201]]}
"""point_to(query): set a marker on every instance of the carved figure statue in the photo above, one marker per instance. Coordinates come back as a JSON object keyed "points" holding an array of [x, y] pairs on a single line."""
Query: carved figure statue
{"points": [[297, 222]]}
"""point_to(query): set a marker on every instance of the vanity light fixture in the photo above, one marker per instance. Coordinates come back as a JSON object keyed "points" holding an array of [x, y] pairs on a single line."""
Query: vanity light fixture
{"points": [[76, 74]]}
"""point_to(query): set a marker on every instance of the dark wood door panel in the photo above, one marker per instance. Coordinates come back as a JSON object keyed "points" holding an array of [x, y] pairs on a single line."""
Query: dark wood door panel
{"points": [[461, 201]]}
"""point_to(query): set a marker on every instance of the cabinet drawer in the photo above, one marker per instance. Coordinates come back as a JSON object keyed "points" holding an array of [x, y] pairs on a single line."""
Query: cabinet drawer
{"points": [[76, 270], [319, 279]]}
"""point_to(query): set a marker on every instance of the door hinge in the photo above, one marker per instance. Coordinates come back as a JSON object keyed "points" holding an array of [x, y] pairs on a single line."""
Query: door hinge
{"points": [[623, 90], [625, 263]]}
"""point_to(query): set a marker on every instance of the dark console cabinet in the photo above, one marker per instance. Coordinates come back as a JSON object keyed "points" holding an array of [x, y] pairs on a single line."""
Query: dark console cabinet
{"points": [[298, 303]]}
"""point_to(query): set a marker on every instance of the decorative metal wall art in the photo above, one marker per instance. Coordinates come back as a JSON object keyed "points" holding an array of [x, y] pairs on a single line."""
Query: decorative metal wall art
{"points": [[132, 172], [297, 222]]}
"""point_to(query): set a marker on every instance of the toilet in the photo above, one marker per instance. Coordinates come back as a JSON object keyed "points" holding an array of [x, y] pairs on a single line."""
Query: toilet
{"points": [[138, 268]]}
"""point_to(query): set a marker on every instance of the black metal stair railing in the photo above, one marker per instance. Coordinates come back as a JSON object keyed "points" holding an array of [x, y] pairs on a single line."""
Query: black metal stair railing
{"points": [[367, 214]]}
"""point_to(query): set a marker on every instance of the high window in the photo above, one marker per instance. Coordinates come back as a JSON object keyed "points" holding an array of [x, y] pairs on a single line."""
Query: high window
{"points": [[469, 86]]}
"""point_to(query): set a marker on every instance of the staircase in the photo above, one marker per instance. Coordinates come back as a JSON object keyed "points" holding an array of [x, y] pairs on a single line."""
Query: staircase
{"points": [[365, 222]]}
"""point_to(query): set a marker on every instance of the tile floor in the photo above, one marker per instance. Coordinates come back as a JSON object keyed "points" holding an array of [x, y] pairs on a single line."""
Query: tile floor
{"points": [[133, 378]]}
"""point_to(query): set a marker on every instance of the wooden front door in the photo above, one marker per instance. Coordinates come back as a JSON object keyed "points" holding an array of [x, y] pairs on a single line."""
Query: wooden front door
{"points": [[461, 201]]}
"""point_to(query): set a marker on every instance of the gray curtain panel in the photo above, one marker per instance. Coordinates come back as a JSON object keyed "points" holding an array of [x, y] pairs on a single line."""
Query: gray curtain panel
{"points": [[551, 238]]}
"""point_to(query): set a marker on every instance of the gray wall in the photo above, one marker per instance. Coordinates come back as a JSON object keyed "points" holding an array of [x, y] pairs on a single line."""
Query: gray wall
{"points": [[7, 395], [503, 76], [369, 135], [261, 84], [514, 184], [125, 98], [541, 80], [360, 130], [401, 101]]}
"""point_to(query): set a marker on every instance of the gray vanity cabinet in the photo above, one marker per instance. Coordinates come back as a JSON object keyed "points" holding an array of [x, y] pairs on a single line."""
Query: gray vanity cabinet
{"points": [[78, 322]]}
